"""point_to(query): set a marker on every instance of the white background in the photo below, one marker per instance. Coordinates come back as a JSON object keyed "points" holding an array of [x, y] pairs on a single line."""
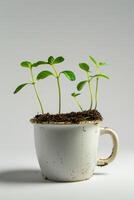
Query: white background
{"points": [[35, 29]]}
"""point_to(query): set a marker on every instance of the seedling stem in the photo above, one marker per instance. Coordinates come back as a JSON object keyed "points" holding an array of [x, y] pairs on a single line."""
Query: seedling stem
{"points": [[58, 84], [35, 89]]}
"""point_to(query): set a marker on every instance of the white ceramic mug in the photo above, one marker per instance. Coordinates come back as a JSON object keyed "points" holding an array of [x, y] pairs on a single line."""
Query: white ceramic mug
{"points": [[68, 152]]}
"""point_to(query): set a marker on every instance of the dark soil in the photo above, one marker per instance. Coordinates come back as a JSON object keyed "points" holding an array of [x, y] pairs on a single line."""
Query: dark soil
{"points": [[73, 117]]}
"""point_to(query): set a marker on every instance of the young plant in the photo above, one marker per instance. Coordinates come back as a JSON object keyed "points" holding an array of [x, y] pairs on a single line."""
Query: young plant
{"points": [[30, 66], [81, 84], [74, 95], [68, 74], [97, 76]]}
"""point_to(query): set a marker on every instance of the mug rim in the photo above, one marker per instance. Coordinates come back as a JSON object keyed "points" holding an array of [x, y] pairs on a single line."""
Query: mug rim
{"points": [[93, 122]]}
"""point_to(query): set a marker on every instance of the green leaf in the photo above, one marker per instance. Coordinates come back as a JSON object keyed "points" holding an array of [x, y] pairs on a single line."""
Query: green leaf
{"points": [[102, 64], [44, 74], [58, 60], [93, 60], [81, 85], [39, 63], [69, 74], [20, 87], [101, 75], [75, 94], [84, 66], [26, 64], [51, 60]]}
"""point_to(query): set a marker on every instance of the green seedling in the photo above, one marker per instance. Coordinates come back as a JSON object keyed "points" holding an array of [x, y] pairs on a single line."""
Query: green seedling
{"points": [[30, 66], [52, 62], [97, 76], [81, 84], [74, 95], [68, 74]]}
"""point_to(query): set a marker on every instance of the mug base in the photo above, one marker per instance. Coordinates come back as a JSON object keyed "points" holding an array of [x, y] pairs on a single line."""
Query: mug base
{"points": [[66, 180]]}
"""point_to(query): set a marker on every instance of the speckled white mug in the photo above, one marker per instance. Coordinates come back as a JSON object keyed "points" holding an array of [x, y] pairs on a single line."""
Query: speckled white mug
{"points": [[68, 152]]}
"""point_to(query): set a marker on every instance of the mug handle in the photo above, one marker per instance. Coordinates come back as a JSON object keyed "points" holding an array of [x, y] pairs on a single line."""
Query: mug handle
{"points": [[115, 141]]}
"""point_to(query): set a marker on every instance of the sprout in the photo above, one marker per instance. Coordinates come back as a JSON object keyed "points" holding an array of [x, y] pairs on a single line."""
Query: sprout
{"points": [[97, 76], [68, 74], [89, 77], [74, 95], [30, 66], [81, 84]]}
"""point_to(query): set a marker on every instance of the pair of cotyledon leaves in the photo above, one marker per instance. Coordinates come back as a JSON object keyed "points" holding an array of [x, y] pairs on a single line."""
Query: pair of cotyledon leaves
{"points": [[50, 61], [44, 74]]}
